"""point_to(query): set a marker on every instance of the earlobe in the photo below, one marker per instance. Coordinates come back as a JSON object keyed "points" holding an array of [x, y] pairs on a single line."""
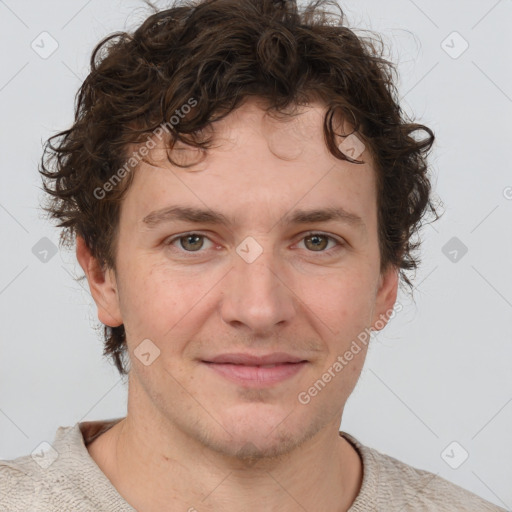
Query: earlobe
{"points": [[102, 285], [386, 298]]}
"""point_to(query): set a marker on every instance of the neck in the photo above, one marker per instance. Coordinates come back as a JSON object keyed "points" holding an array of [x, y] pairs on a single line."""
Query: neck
{"points": [[154, 465]]}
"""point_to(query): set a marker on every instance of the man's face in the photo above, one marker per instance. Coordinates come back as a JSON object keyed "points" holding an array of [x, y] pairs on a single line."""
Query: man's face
{"points": [[312, 288]]}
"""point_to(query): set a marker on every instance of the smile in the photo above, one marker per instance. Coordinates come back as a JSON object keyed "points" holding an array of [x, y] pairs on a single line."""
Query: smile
{"points": [[257, 375]]}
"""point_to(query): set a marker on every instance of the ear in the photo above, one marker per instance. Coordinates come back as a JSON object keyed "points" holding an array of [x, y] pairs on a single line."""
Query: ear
{"points": [[385, 298], [102, 284]]}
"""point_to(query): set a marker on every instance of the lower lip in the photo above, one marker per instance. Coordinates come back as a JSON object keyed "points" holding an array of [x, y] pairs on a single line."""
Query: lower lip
{"points": [[254, 375]]}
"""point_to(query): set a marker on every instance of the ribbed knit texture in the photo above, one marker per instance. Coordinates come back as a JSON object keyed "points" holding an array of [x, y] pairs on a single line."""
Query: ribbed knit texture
{"points": [[74, 482]]}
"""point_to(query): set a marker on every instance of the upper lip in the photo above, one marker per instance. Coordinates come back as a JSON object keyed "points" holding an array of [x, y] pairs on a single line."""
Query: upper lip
{"points": [[255, 360]]}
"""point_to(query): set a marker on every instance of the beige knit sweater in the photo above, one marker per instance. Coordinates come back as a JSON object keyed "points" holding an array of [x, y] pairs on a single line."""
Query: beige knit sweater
{"points": [[64, 477]]}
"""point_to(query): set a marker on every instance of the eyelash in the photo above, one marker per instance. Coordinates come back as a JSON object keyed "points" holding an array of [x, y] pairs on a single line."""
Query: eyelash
{"points": [[328, 252]]}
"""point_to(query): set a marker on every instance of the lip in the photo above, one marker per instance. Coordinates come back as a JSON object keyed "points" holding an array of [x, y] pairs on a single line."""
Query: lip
{"points": [[256, 376], [249, 370], [254, 359]]}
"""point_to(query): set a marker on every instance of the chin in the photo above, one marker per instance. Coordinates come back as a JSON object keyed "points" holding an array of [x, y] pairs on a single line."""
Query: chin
{"points": [[249, 449], [247, 441]]}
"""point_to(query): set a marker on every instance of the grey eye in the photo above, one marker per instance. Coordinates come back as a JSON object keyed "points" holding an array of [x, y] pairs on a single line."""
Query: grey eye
{"points": [[192, 242], [318, 242]]}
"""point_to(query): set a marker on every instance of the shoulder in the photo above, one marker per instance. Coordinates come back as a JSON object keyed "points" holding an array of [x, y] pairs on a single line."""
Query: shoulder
{"points": [[17, 483], [391, 484], [42, 481], [426, 490]]}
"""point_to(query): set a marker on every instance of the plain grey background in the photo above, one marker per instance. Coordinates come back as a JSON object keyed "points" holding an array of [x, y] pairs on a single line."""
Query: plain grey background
{"points": [[437, 383]]}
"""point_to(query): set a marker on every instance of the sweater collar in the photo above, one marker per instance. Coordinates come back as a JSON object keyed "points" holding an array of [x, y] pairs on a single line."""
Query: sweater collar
{"points": [[83, 433]]}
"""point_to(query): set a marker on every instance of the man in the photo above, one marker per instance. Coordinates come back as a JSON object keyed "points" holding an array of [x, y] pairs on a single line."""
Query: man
{"points": [[238, 251]]}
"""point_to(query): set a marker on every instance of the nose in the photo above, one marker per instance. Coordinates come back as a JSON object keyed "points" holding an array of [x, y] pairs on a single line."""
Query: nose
{"points": [[257, 296]]}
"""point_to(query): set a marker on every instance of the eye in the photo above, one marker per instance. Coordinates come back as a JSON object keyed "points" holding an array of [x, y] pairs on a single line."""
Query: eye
{"points": [[318, 242], [314, 242], [189, 242]]}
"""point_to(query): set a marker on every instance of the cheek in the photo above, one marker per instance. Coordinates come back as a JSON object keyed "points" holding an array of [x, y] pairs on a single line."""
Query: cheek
{"points": [[343, 303], [149, 302], [161, 304]]}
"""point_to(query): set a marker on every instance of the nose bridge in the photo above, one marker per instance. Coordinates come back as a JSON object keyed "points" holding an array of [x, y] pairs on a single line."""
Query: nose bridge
{"points": [[255, 294]]}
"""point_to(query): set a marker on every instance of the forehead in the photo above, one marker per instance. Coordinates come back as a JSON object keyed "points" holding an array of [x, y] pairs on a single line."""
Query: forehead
{"points": [[258, 162], [294, 133]]}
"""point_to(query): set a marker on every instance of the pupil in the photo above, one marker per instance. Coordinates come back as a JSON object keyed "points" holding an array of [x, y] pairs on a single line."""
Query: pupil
{"points": [[317, 241], [190, 240]]}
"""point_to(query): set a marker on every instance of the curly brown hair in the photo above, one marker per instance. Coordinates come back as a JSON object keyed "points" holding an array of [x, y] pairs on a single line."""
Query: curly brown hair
{"points": [[218, 53]]}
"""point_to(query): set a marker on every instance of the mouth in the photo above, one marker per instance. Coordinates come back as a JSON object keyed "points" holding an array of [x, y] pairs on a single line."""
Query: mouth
{"points": [[256, 371]]}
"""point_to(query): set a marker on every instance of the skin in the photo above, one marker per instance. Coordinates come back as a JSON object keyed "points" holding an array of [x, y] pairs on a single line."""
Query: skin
{"points": [[193, 440]]}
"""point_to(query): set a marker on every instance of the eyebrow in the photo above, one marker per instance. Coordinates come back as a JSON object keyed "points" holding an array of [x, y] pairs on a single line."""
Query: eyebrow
{"points": [[201, 216]]}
